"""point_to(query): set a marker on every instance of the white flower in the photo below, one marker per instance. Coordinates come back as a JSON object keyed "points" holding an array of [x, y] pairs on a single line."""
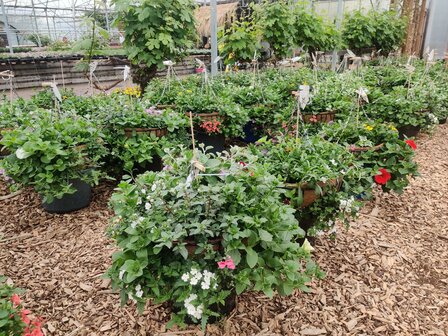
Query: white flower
{"points": [[307, 246], [139, 201], [154, 187], [147, 205], [185, 277], [138, 291], [143, 191], [333, 162], [192, 297], [121, 274], [205, 285], [22, 154], [195, 279], [134, 224]]}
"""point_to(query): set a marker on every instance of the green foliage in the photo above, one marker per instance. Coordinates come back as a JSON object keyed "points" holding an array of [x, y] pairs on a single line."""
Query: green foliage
{"points": [[240, 42], [156, 30], [380, 30], [35, 38], [10, 314], [276, 21], [236, 203], [312, 32], [53, 151]]}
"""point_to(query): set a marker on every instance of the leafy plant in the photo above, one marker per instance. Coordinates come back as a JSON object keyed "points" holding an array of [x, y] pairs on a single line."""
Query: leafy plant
{"points": [[155, 30], [53, 151], [276, 22], [240, 42], [225, 222], [14, 318]]}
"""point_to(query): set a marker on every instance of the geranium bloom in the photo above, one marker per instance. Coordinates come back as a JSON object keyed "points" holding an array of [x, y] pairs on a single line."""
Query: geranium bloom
{"points": [[15, 299], [383, 177], [411, 144]]}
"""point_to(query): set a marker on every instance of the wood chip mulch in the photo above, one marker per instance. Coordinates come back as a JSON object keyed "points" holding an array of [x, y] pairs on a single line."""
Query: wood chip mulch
{"points": [[386, 275]]}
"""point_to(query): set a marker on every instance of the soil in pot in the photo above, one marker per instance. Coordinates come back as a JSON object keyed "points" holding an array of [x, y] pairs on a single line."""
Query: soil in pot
{"points": [[251, 132], [71, 202], [408, 131], [306, 222]]}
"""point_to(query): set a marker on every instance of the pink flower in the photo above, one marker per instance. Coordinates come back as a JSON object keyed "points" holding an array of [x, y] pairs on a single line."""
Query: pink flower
{"points": [[25, 318], [15, 300], [226, 263], [222, 264]]}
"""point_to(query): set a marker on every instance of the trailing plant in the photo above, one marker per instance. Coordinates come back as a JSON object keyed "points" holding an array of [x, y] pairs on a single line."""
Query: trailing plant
{"points": [[205, 226], [52, 152]]}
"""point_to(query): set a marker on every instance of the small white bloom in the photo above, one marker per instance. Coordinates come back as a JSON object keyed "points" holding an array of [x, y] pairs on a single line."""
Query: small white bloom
{"points": [[205, 285], [147, 205], [22, 154], [333, 162], [185, 277], [134, 224], [154, 187], [139, 201], [195, 279], [144, 191], [138, 291], [307, 246]]}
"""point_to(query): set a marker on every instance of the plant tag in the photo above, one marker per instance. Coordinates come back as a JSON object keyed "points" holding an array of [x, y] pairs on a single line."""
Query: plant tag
{"points": [[168, 63], [350, 53], [121, 38], [92, 67], [304, 95], [54, 88], [362, 93], [126, 72], [295, 59], [199, 166]]}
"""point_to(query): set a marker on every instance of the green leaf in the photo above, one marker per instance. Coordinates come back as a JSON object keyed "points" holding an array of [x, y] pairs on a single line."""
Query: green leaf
{"points": [[251, 257], [265, 235]]}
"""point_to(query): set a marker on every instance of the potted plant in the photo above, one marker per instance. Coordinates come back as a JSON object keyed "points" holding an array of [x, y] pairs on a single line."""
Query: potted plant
{"points": [[205, 228], [137, 134], [58, 156], [215, 117], [308, 169]]}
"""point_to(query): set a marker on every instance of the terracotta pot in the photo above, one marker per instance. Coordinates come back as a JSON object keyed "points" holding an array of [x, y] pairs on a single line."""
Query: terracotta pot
{"points": [[323, 117], [158, 132], [309, 193], [366, 149]]}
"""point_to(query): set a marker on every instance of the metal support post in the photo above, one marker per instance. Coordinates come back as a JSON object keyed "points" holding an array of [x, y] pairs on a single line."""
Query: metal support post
{"points": [[214, 37], [338, 27], [7, 28]]}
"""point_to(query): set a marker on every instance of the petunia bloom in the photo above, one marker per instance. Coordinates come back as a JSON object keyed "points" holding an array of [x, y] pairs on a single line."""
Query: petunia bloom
{"points": [[228, 263], [222, 264], [25, 318], [411, 144], [383, 177]]}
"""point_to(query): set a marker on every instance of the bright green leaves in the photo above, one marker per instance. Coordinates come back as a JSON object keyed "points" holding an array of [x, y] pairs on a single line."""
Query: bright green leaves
{"points": [[251, 257]]}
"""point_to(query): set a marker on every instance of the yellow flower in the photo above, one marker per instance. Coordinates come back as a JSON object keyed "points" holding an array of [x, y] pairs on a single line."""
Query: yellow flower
{"points": [[393, 128], [189, 91], [368, 127]]}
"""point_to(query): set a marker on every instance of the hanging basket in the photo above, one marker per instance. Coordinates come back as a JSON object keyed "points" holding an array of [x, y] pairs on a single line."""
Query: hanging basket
{"points": [[214, 116], [365, 149], [309, 193], [323, 117], [157, 132], [191, 245], [165, 107]]}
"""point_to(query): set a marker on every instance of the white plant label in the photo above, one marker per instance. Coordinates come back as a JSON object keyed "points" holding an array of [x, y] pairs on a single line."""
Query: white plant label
{"points": [[304, 95], [362, 93], [126, 72], [168, 63]]}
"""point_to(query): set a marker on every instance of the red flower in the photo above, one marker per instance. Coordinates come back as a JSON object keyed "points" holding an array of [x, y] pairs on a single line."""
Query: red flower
{"points": [[411, 144], [25, 318], [287, 201], [15, 300], [242, 164], [383, 177]]}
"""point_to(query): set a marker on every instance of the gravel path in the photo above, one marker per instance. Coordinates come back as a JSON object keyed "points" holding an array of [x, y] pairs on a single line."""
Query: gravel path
{"points": [[387, 275]]}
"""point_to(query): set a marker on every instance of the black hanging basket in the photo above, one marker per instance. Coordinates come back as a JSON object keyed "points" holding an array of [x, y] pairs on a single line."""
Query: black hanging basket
{"points": [[217, 141], [408, 131], [71, 202]]}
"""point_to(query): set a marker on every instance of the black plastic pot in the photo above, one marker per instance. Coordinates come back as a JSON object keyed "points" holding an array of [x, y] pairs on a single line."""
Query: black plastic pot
{"points": [[71, 202], [156, 165], [250, 134], [307, 221], [408, 131], [217, 141]]}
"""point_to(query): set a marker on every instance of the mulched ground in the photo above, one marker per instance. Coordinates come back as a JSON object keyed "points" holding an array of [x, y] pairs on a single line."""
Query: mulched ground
{"points": [[387, 275]]}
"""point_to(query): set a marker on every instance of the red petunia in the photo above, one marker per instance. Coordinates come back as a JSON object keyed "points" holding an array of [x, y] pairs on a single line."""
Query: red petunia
{"points": [[411, 144], [25, 318], [383, 177]]}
